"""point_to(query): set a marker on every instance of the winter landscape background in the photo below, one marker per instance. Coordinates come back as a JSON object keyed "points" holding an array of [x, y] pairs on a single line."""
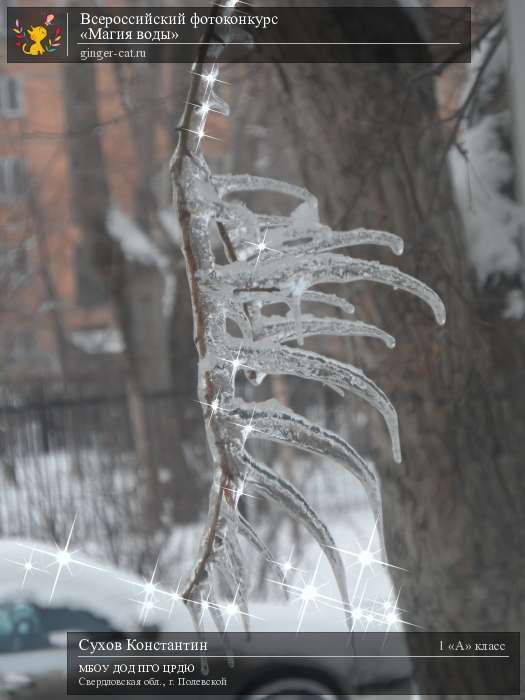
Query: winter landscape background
{"points": [[100, 424]]}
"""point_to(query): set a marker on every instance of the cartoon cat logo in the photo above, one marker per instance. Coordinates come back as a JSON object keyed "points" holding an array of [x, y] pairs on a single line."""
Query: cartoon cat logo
{"points": [[32, 42]]}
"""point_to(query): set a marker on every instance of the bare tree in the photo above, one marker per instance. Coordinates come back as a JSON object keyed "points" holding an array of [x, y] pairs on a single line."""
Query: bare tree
{"points": [[122, 277]]}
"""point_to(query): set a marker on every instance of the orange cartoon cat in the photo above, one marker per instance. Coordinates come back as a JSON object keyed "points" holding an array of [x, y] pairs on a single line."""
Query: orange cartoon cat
{"points": [[37, 36]]}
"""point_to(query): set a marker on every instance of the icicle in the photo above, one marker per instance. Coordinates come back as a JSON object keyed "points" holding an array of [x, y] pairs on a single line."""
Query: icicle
{"points": [[267, 298], [233, 554], [286, 495], [276, 423], [283, 330], [283, 274], [322, 239], [228, 184], [197, 625], [295, 308], [219, 105], [338, 376], [249, 534], [302, 258]]}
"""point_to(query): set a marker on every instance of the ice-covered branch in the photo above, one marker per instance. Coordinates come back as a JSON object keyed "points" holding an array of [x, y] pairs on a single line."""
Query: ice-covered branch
{"points": [[273, 260]]}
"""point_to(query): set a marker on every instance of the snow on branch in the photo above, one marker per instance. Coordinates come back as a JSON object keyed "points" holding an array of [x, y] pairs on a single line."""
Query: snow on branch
{"points": [[273, 259], [484, 174], [139, 248]]}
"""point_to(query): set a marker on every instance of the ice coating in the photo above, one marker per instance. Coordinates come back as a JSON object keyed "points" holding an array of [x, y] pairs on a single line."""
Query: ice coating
{"points": [[273, 259], [228, 184], [339, 376], [322, 239], [283, 272], [288, 497], [274, 422], [250, 535], [285, 330]]}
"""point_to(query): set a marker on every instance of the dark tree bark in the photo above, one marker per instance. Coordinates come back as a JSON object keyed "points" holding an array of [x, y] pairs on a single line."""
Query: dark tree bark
{"points": [[370, 145], [90, 205], [48, 282]]}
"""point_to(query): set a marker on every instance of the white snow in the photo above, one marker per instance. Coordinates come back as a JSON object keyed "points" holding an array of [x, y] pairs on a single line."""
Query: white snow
{"points": [[493, 72], [483, 174], [105, 340], [10, 682], [106, 593], [135, 243], [170, 221], [515, 310], [492, 221]]}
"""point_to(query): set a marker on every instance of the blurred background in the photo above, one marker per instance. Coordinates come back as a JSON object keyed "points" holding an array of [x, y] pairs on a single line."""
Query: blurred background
{"points": [[98, 411]]}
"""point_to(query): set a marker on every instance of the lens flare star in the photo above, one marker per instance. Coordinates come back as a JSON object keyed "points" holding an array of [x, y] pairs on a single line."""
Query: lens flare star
{"points": [[366, 558], [262, 247], [287, 566], [240, 491], [361, 612], [62, 559], [232, 611], [214, 406], [201, 134], [28, 567], [247, 429], [237, 363]]}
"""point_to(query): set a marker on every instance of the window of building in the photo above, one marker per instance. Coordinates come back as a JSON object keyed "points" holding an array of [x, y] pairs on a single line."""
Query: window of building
{"points": [[12, 178], [11, 96]]}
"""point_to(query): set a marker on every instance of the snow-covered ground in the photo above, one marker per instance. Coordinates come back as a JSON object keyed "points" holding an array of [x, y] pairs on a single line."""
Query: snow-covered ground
{"points": [[49, 577], [79, 574]]}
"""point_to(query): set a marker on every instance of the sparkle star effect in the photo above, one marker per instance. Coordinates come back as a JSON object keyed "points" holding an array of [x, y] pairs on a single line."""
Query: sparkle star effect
{"points": [[361, 611], [63, 559], [28, 567], [234, 4], [247, 429], [262, 247], [175, 598], [201, 134], [366, 558], [232, 610], [287, 566], [236, 364], [209, 79], [204, 108], [240, 491], [214, 406], [146, 608], [205, 606], [309, 593], [149, 590]]}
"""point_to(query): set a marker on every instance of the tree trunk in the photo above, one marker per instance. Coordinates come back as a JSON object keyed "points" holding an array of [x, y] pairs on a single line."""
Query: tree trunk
{"points": [[370, 145], [90, 205], [52, 297]]}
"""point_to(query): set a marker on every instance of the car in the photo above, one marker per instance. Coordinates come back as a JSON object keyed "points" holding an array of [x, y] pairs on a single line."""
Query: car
{"points": [[91, 597]]}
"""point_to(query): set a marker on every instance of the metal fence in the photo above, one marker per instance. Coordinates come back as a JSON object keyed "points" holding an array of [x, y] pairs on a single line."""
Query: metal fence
{"points": [[68, 453]]}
